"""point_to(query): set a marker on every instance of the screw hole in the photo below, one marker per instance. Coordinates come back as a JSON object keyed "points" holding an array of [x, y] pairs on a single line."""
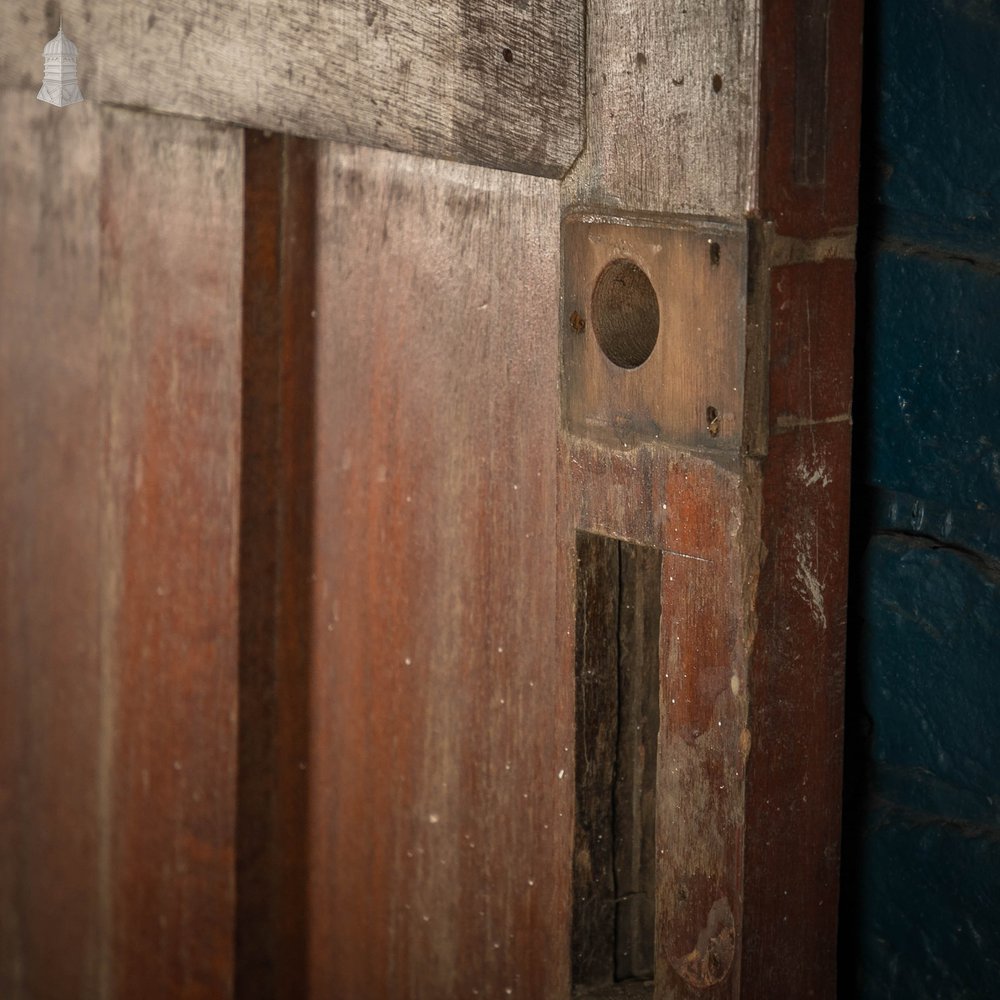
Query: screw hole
{"points": [[626, 314], [508, 56], [712, 421]]}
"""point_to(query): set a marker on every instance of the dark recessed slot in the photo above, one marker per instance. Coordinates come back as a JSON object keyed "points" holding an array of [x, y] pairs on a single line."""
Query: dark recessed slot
{"points": [[617, 721]]}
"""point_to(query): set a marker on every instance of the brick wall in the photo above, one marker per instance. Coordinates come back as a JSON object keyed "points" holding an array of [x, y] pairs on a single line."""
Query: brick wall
{"points": [[921, 910]]}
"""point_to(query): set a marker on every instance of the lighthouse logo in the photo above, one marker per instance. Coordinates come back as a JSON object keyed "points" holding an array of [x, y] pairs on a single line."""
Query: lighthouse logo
{"points": [[59, 86]]}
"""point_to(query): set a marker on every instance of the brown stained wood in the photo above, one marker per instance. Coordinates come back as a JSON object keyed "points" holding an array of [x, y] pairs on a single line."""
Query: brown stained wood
{"points": [[171, 201], [50, 441], [671, 120], [119, 430], [441, 762], [691, 509], [810, 134], [810, 106], [797, 664], [277, 459], [803, 302], [498, 84]]}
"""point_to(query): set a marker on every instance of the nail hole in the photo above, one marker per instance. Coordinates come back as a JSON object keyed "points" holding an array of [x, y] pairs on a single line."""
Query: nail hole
{"points": [[714, 253], [712, 421], [577, 322], [626, 314], [640, 59], [508, 56], [717, 83]]}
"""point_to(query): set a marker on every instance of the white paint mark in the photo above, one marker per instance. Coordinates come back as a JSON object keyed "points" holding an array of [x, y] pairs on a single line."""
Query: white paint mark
{"points": [[809, 585], [810, 477]]}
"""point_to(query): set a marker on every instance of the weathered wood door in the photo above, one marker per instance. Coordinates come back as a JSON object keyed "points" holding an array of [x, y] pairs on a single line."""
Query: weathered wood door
{"points": [[423, 523]]}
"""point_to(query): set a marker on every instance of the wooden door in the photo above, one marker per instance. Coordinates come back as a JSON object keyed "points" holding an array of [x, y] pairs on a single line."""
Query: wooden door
{"points": [[424, 438]]}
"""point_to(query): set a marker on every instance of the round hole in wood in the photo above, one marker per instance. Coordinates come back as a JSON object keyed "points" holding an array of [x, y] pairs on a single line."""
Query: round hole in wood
{"points": [[626, 313]]}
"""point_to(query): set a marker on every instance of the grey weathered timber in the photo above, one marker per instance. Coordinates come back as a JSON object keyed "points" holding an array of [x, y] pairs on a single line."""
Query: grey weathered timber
{"points": [[671, 107], [496, 84]]}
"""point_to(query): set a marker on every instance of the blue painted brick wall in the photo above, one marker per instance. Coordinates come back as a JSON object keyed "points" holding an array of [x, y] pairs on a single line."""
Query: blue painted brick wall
{"points": [[921, 911]]}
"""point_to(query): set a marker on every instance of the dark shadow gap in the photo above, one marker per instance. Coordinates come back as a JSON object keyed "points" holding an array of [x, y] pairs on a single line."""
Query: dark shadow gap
{"points": [[617, 723], [276, 554]]}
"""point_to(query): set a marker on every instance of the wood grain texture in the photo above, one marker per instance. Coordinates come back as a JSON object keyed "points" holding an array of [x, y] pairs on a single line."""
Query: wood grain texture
{"points": [[441, 763], [120, 434], [671, 120], [802, 301], [692, 510], [498, 84], [797, 663], [697, 271], [171, 264], [50, 440]]}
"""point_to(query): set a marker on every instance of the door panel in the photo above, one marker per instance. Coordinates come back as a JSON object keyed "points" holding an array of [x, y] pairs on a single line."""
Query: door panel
{"points": [[442, 695], [121, 426]]}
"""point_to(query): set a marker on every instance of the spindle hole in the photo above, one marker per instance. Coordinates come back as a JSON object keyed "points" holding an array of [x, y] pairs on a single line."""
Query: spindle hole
{"points": [[626, 314]]}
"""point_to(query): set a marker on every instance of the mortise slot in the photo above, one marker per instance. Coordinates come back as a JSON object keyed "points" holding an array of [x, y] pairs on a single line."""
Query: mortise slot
{"points": [[617, 723]]}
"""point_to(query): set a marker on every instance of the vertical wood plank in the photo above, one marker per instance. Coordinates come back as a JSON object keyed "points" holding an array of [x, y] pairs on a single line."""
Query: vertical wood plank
{"points": [[171, 226], [802, 277], [50, 445], [120, 433], [442, 687], [797, 662]]}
